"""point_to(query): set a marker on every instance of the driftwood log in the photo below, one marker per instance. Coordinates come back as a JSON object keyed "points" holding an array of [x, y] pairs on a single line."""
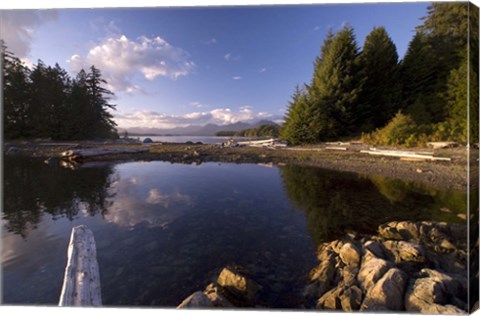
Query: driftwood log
{"points": [[81, 283], [404, 154], [78, 154]]}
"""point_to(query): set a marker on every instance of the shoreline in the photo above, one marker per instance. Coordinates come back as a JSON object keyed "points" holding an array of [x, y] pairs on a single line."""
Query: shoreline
{"points": [[439, 174]]}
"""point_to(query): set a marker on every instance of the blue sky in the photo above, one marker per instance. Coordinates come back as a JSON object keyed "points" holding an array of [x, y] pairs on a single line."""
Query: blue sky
{"points": [[179, 66]]}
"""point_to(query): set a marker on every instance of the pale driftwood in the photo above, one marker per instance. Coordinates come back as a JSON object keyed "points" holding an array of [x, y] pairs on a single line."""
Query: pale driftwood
{"points": [[303, 149], [404, 154], [87, 153], [338, 143], [336, 148], [81, 283], [59, 144], [257, 142], [438, 145]]}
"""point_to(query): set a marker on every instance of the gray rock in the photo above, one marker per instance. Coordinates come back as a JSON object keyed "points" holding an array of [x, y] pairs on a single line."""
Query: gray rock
{"points": [[404, 230], [350, 255], [405, 251], [348, 276], [214, 294], [237, 284], [196, 300], [371, 270], [431, 292], [322, 276], [375, 248], [351, 298], [331, 299], [387, 293]]}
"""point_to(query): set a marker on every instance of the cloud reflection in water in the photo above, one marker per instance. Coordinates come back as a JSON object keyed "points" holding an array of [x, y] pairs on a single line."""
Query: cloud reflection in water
{"points": [[135, 203]]}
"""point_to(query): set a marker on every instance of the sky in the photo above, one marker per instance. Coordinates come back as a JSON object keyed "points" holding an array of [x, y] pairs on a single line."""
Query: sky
{"points": [[171, 67]]}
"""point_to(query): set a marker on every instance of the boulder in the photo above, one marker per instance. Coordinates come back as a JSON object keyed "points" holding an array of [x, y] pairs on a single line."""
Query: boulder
{"points": [[237, 284], [405, 251], [196, 300], [351, 298], [387, 293], [331, 299], [215, 295], [347, 298], [404, 230], [432, 292], [348, 276], [375, 248], [350, 255], [371, 270], [322, 276]]}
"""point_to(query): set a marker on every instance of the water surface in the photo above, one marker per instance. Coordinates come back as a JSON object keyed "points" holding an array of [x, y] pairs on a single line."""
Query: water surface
{"points": [[165, 230]]}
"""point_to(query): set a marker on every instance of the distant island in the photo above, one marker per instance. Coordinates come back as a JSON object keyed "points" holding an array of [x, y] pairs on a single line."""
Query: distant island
{"points": [[271, 129], [207, 130]]}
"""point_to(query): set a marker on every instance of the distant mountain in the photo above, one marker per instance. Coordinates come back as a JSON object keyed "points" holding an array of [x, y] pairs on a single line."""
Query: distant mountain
{"points": [[195, 130]]}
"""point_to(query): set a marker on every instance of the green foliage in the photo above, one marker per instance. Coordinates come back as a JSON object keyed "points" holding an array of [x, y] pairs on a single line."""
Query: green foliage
{"points": [[379, 97], [225, 133], [335, 87], [326, 108], [298, 127], [352, 93], [271, 130], [401, 130], [46, 103]]}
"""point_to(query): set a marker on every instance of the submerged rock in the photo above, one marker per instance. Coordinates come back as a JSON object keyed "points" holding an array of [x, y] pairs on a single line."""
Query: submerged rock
{"points": [[196, 300]]}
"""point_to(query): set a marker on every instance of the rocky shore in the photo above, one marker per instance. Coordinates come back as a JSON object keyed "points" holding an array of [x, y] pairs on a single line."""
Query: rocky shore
{"points": [[447, 175], [415, 267], [418, 267]]}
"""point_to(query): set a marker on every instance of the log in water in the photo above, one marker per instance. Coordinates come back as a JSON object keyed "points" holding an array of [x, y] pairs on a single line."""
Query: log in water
{"points": [[81, 283]]}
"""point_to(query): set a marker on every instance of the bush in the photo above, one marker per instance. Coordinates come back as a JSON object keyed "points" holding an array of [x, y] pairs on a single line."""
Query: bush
{"points": [[401, 130]]}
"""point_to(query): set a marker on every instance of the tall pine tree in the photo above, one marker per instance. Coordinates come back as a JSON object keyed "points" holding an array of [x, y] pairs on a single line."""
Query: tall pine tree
{"points": [[378, 101], [336, 87]]}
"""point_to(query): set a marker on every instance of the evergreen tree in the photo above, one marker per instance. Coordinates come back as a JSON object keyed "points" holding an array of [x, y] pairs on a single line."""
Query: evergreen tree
{"points": [[16, 103], [46, 103], [101, 122], [378, 101], [335, 87], [297, 127], [435, 51]]}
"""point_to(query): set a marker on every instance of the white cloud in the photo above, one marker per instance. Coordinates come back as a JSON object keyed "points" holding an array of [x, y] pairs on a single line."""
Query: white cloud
{"points": [[213, 40], [227, 56], [262, 70], [219, 116], [317, 28], [237, 78], [197, 105], [119, 58], [17, 28], [157, 197]]}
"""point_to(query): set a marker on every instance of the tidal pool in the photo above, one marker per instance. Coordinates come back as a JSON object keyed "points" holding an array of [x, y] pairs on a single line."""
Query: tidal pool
{"points": [[165, 230]]}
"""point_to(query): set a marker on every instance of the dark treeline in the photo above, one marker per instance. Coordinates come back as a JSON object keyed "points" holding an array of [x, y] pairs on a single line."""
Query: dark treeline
{"points": [[45, 102], [270, 130], [369, 92], [32, 188]]}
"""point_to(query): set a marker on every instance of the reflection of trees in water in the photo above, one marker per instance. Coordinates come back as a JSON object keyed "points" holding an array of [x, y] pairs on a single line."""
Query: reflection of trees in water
{"points": [[336, 202], [32, 188]]}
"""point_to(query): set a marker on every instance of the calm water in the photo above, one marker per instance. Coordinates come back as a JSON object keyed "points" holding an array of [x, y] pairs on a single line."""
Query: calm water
{"points": [[165, 230]]}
